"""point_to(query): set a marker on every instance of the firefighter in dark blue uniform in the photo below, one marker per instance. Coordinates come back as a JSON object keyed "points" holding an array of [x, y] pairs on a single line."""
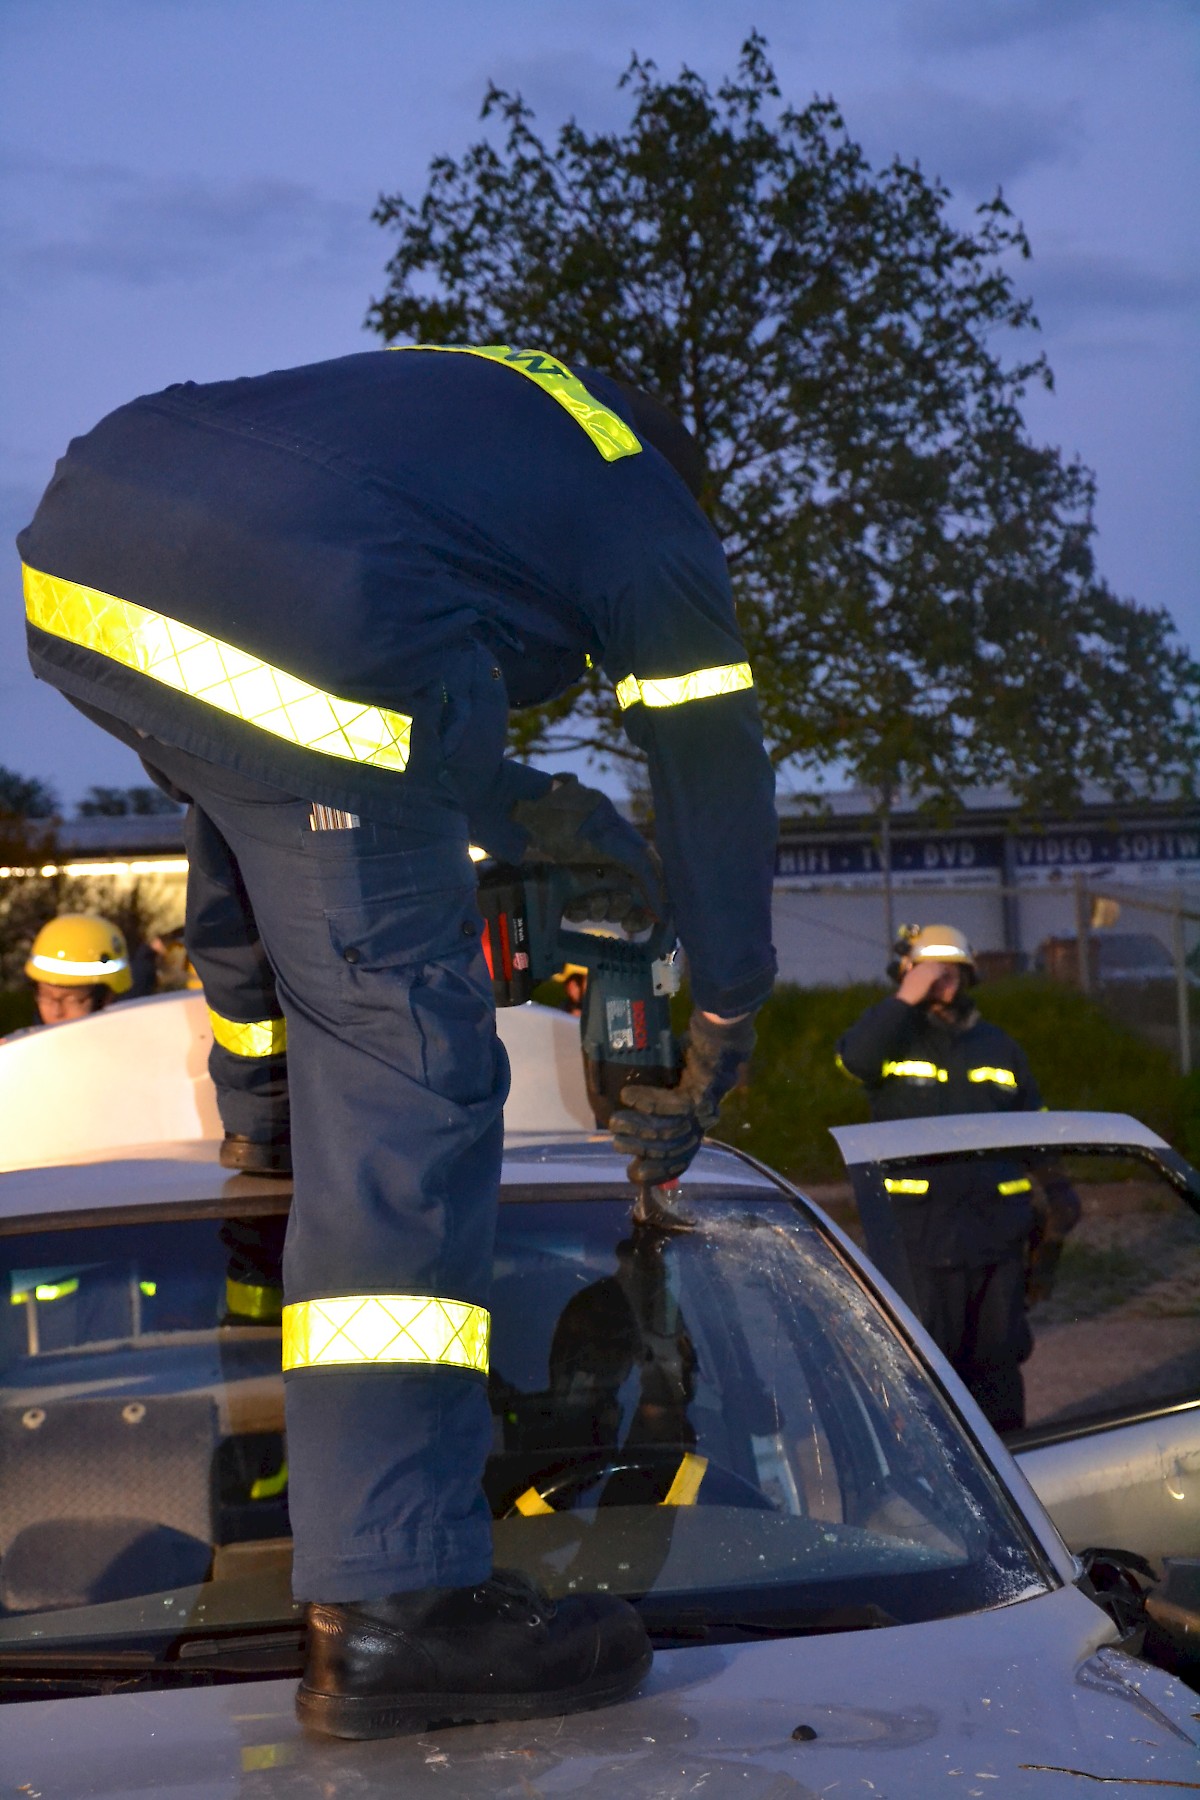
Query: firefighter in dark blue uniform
{"points": [[309, 599], [924, 1053]]}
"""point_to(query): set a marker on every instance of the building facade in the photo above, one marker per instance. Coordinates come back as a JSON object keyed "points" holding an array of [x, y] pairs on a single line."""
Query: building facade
{"points": [[1013, 886]]}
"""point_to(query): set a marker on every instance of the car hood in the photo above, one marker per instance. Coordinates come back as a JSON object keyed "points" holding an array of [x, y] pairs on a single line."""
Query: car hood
{"points": [[1024, 1700]]}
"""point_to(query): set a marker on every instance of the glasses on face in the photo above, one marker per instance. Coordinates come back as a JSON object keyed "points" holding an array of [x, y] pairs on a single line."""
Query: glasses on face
{"points": [[55, 1004]]}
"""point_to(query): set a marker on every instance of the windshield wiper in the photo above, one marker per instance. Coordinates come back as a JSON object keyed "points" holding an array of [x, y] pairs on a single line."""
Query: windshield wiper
{"points": [[236, 1652], [699, 1625]]}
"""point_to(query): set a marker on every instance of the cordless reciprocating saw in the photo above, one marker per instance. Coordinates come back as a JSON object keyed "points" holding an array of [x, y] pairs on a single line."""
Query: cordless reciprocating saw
{"points": [[625, 1027]]}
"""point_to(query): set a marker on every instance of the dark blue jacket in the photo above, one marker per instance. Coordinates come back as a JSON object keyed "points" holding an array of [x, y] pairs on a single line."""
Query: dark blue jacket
{"points": [[431, 537], [916, 1066]]}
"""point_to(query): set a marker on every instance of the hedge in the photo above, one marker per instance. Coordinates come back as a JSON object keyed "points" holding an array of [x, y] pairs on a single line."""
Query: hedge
{"points": [[1080, 1056], [16, 1008]]}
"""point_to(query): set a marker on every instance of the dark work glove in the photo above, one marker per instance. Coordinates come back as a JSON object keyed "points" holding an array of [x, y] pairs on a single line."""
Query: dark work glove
{"points": [[661, 1128], [579, 828]]}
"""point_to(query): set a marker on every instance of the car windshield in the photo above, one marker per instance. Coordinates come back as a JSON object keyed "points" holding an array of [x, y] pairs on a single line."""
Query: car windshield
{"points": [[718, 1422], [1132, 952]]}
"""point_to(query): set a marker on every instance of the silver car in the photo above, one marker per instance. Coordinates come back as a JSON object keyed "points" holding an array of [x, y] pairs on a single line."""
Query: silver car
{"points": [[851, 1585], [1112, 1442]]}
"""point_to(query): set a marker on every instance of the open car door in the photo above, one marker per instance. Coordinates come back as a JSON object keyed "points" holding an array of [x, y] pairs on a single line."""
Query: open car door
{"points": [[1112, 1436]]}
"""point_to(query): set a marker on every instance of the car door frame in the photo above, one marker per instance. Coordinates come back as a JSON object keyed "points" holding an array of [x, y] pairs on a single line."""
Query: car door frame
{"points": [[1071, 1465]]}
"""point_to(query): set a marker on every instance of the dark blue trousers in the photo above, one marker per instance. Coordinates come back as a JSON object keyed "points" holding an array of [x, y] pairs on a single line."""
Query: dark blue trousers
{"points": [[367, 941]]}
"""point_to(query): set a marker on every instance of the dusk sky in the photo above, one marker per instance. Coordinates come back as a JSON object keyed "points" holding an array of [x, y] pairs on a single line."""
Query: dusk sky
{"points": [[185, 187]]}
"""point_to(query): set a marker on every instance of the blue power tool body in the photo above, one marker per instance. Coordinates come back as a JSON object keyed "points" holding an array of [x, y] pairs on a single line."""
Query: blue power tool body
{"points": [[625, 1027]]}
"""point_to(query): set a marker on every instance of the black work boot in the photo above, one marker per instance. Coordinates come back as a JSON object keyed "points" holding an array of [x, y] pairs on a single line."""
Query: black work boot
{"points": [[461, 1656], [252, 1157]]}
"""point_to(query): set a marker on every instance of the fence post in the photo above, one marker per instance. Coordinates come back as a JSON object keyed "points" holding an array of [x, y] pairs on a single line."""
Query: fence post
{"points": [[885, 857], [1182, 996], [1083, 942]]}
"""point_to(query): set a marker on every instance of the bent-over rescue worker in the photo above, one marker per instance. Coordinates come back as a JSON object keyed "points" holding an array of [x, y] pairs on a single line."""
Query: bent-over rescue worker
{"points": [[77, 963], [923, 1053], [309, 599]]}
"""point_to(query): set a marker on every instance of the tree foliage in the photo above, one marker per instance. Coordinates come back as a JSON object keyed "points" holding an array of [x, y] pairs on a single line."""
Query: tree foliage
{"points": [[120, 803], [915, 577], [25, 797]]}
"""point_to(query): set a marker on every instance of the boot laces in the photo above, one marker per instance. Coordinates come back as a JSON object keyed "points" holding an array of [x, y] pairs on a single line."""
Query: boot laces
{"points": [[513, 1597]]}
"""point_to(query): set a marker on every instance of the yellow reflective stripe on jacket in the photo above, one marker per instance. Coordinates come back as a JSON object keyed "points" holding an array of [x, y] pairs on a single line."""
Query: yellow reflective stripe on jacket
{"points": [[1002, 1077], [49, 1290], [264, 1037], [1020, 1186], [848, 1073], [686, 1485], [386, 1328], [905, 1184], [677, 690], [610, 434], [916, 1071], [219, 674], [254, 1300]]}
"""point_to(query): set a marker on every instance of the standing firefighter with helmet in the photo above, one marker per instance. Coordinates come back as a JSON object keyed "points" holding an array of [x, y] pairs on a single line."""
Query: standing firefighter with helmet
{"points": [[968, 1225], [308, 599]]}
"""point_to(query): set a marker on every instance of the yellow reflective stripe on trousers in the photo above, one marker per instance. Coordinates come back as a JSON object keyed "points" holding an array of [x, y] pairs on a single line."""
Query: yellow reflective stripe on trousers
{"points": [[264, 1037], [267, 1487], [677, 690], [916, 1071], [386, 1328], [1020, 1186], [903, 1184], [610, 434], [219, 674], [1002, 1077]]}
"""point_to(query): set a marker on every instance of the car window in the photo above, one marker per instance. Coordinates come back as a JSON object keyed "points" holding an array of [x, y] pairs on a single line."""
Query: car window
{"points": [[1132, 952], [1105, 1255], [1115, 1313], [717, 1419]]}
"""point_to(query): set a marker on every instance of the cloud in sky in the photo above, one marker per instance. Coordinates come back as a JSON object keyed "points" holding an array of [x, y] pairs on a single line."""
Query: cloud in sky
{"points": [[1072, 287], [75, 221], [967, 24], [558, 84], [971, 143]]}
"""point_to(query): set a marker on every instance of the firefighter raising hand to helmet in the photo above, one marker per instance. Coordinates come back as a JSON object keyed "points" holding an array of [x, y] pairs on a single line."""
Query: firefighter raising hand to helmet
{"points": [[926, 1052]]}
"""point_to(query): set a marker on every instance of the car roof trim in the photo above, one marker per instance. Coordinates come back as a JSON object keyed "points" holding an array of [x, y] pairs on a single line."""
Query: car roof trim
{"points": [[162, 1181]]}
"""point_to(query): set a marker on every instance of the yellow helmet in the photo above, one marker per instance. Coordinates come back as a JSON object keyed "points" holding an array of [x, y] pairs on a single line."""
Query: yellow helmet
{"points": [[932, 943], [80, 950]]}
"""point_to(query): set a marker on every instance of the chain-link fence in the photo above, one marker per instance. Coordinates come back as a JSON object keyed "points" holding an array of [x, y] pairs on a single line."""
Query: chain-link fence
{"points": [[1136, 950]]}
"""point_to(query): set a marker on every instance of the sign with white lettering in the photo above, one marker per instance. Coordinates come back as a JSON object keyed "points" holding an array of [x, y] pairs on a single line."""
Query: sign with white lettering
{"points": [[1161, 852], [926, 861], [1156, 853]]}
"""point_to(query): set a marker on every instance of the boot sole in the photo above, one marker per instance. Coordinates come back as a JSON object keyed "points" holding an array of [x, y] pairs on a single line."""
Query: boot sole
{"points": [[248, 1165], [374, 1716]]}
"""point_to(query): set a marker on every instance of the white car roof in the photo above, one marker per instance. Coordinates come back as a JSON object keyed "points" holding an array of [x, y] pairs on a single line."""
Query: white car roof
{"points": [[970, 1133], [137, 1074]]}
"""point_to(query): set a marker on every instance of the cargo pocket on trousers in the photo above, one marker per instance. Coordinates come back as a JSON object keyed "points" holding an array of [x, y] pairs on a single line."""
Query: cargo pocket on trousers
{"points": [[415, 991]]}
